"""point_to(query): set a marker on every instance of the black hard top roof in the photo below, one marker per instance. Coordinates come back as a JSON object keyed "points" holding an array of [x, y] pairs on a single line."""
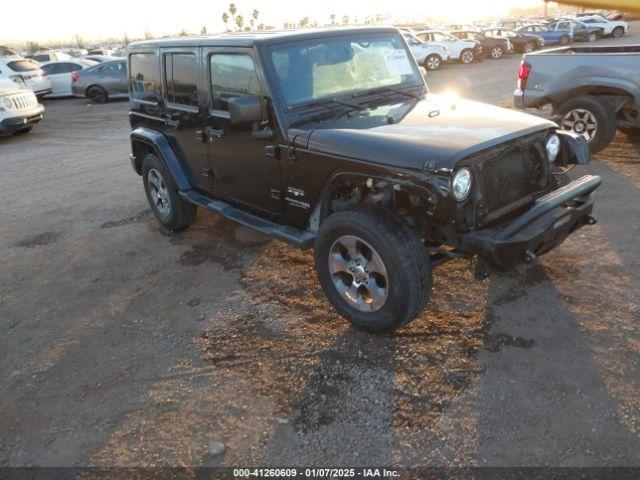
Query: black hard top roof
{"points": [[264, 37]]}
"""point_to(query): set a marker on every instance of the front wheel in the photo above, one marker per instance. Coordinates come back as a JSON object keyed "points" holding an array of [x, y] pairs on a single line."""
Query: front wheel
{"points": [[617, 32], [496, 52], [564, 40], [592, 37], [162, 193], [467, 56], [590, 117], [528, 47], [373, 268], [432, 62]]}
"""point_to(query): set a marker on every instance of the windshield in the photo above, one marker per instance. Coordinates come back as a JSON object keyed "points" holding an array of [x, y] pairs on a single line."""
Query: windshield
{"points": [[323, 68], [23, 65]]}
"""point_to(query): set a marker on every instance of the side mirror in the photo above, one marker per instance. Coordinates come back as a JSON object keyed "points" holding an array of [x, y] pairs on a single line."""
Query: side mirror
{"points": [[423, 72], [245, 110]]}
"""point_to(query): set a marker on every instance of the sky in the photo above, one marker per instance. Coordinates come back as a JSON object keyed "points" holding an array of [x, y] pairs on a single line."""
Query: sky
{"points": [[61, 20]]}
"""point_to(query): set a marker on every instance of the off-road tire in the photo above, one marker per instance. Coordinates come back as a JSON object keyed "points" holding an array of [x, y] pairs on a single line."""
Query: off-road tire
{"points": [[97, 94], [182, 213], [404, 256], [602, 111], [431, 60]]}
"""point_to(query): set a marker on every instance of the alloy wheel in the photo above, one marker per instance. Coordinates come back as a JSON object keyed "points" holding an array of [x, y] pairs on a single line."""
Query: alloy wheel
{"points": [[433, 63], [467, 57], [496, 52], [358, 273], [580, 121], [528, 48], [159, 192]]}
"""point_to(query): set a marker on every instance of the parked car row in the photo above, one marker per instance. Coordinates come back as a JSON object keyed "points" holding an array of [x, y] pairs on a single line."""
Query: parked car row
{"points": [[467, 44]]}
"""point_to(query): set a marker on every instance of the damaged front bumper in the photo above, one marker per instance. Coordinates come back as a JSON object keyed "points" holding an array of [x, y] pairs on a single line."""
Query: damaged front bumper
{"points": [[550, 220]]}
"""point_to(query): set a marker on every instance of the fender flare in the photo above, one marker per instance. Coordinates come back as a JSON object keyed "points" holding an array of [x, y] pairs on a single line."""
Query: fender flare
{"points": [[160, 144]]}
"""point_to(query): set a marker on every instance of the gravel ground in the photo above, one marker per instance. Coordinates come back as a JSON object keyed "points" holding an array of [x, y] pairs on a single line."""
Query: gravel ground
{"points": [[122, 344]]}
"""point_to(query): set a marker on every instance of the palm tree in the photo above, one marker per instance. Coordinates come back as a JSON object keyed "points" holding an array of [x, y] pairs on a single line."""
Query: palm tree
{"points": [[239, 21], [232, 11], [304, 22], [225, 19], [345, 20]]}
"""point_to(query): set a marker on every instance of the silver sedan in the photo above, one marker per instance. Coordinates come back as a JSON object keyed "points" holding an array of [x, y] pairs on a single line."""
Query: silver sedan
{"points": [[103, 82]]}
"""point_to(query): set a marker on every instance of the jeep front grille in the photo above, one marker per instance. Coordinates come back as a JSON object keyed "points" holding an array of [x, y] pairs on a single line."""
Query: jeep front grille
{"points": [[509, 178]]}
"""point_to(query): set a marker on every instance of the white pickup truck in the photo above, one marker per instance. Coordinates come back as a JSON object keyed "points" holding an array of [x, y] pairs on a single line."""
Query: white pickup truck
{"points": [[19, 108]]}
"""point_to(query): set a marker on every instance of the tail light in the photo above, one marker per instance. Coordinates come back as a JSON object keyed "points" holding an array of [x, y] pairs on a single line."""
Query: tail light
{"points": [[523, 74], [74, 77]]}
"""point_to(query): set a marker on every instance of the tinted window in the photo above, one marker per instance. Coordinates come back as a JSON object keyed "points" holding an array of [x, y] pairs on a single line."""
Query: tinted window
{"points": [[232, 76], [67, 67], [181, 74], [145, 77], [23, 65], [112, 68]]}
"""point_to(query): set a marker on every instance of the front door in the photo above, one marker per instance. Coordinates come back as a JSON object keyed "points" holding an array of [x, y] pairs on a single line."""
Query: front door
{"points": [[113, 76], [244, 168]]}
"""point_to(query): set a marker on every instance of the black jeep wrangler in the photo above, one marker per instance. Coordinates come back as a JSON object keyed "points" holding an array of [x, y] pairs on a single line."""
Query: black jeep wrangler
{"points": [[330, 139]]}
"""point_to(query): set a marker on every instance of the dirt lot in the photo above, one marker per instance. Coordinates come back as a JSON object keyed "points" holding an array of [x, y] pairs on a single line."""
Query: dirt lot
{"points": [[122, 344]]}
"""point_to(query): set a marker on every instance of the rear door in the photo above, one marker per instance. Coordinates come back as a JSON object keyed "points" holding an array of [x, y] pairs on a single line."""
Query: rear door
{"points": [[180, 69], [113, 77]]}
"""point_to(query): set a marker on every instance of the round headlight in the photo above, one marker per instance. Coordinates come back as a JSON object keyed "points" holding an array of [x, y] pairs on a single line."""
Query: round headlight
{"points": [[553, 147], [461, 184], [6, 103]]}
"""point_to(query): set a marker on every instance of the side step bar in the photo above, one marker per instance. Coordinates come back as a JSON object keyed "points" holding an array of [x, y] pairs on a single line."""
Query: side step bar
{"points": [[298, 238]]}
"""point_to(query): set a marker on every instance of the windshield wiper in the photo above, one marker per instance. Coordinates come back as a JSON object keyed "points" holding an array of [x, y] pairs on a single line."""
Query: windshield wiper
{"points": [[327, 103], [378, 91], [331, 113]]}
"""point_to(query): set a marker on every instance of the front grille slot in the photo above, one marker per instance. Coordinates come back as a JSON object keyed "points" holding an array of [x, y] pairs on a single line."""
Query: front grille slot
{"points": [[512, 176]]}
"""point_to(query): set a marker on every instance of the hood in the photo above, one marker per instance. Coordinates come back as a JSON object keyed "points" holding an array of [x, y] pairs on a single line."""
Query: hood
{"points": [[7, 86], [437, 131]]}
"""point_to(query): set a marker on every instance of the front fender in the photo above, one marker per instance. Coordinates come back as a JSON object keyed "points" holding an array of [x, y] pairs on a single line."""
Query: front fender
{"points": [[159, 143]]}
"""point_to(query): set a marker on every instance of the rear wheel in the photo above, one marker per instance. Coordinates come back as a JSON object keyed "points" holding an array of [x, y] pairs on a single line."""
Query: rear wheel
{"points": [[564, 40], [162, 193], [617, 32], [373, 268], [496, 52], [467, 56], [592, 37], [432, 62], [97, 94], [590, 117]]}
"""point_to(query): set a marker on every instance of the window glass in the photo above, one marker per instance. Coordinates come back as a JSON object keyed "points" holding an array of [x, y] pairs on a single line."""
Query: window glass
{"points": [[112, 68], [145, 77], [234, 76], [23, 65], [50, 68], [181, 74], [325, 68]]}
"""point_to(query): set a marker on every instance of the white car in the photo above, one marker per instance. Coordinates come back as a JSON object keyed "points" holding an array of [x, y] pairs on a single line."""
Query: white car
{"points": [[19, 108], [428, 55], [614, 28], [464, 51], [25, 73], [59, 74]]}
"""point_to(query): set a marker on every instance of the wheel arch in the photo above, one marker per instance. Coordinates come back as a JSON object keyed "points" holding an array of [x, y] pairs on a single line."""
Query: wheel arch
{"points": [[144, 141], [616, 95], [388, 189]]}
